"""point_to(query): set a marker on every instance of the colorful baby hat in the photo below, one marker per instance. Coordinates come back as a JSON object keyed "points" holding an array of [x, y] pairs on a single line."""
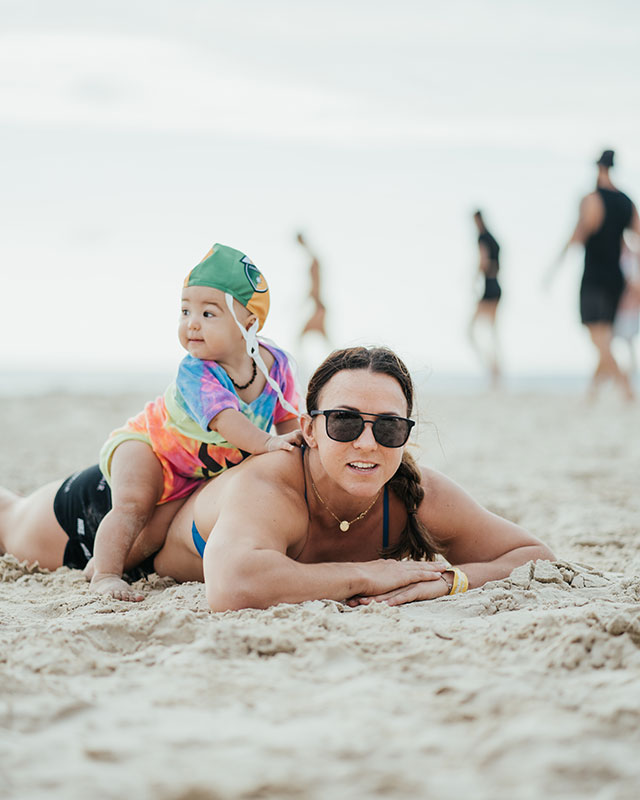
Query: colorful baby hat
{"points": [[234, 273]]}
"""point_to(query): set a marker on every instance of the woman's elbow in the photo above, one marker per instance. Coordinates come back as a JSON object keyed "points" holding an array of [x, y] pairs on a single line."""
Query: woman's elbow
{"points": [[234, 595], [543, 553], [245, 579], [227, 580], [222, 601], [219, 602]]}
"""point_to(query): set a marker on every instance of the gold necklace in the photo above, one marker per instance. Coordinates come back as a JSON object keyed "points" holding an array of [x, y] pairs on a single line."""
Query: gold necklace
{"points": [[344, 524]]}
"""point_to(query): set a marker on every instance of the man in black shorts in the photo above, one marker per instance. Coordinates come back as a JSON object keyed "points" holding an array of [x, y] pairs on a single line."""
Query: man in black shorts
{"points": [[604, 216]]}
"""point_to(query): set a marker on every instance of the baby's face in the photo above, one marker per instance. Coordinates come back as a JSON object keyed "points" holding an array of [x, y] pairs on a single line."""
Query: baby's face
{"points": [[206, 328]]}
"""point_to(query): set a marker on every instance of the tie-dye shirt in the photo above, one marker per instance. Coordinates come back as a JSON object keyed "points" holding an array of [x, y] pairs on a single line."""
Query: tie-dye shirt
{"points": [[176, 425]]}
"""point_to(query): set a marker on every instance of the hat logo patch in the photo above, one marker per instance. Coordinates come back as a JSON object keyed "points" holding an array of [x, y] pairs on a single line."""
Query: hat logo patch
{"points": [[254, 276]]}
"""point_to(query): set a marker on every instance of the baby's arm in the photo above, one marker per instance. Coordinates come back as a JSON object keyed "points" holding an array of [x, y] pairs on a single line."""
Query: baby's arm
{"points": [[288, 426], [242, 433]]}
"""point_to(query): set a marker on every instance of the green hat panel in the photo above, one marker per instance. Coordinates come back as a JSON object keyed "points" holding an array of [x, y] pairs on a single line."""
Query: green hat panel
{"points": [[231, 271]]}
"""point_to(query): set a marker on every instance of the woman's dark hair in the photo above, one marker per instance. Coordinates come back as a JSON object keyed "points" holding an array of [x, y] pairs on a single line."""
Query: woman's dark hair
{"points": [[415, 541]]}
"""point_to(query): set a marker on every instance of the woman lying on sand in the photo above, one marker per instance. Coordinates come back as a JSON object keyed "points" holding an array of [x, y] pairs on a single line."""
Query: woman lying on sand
{"points": [[332, 520]]}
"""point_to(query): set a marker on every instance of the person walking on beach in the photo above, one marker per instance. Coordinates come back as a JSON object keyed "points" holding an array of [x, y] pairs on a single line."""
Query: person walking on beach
{"points": [[316, 321], [626, 324], [487, 306], [604, 215], [229, 391], [313, 341]]}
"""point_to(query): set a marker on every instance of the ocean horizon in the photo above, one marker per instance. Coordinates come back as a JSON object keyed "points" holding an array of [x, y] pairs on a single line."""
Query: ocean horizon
{"points": [[18, 383]]}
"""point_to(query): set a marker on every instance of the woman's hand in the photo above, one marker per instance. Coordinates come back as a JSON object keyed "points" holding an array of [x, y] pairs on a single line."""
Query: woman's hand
{"points": [[422, 590], [399, 582]]}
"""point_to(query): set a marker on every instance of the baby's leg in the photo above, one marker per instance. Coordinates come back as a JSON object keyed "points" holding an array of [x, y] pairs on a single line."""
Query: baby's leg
{"points": [[151, 538], [136, 486], [153, 535]]}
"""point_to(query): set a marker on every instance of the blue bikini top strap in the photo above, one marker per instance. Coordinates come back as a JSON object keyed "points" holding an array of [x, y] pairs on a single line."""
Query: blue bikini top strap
{"points": [[198, 541], [385, 517]]}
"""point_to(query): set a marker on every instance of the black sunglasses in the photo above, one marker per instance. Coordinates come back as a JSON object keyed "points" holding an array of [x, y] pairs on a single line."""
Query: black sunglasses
{"points": [[346, 426]]}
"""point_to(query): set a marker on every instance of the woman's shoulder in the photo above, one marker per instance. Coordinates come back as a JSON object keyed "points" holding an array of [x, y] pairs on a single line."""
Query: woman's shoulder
{"points": [[278, 475], [259, 494], [438, 493], [438, 486], [442, 495], [432, 479], [278, 465]]}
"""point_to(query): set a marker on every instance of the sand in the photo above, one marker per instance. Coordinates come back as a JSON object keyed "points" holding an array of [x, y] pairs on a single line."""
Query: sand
{"points": [[526, 688]]}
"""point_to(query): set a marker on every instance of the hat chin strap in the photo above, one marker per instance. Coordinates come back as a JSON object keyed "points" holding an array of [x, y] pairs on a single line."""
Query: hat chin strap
{"points": [[253, 351]]}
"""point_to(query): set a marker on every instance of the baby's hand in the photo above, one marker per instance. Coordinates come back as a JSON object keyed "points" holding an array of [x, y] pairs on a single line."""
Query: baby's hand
{"points": [[109, 583], [285, 442]]}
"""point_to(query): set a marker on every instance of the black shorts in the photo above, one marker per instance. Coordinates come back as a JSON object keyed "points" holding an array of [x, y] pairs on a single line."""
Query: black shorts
{"points": [[599, 304], [80, 505], [492, 291]]}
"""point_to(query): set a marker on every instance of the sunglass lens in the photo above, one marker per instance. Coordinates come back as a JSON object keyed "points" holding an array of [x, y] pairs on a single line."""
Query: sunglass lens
{"points": [[344, 426], [391, 432]]}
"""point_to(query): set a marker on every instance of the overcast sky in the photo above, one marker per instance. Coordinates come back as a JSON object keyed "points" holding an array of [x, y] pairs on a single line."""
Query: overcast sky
{"points": [[137, 134]]}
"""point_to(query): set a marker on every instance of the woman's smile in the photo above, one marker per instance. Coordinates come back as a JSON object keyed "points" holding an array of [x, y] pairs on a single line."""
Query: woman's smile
{"points": [[362, 466]]}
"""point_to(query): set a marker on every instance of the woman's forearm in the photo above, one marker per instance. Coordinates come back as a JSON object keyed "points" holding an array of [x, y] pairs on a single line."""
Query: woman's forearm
{"points": [[480, 572], [263, 578]]}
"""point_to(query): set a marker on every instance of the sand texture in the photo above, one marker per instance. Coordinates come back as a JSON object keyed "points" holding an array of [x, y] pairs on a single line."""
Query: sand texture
{"points": [[526, 688]]}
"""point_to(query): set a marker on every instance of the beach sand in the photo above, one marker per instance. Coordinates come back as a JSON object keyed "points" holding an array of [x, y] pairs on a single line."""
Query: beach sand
{"points": [[526, 688]]}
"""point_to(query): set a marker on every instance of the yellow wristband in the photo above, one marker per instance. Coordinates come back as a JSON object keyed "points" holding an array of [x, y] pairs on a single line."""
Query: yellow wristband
{"points": [[460, 581]]}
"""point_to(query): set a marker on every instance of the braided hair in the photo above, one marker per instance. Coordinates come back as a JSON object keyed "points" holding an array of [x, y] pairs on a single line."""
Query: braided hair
{"points": [[415, 540]]}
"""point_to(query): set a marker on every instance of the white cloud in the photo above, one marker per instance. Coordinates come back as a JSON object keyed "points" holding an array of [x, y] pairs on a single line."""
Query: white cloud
{"points": [[133, 83], [140, 83]]}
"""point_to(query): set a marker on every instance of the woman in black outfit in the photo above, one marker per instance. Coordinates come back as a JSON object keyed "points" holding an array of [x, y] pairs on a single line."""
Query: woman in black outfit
{"points": [[604, 216], [487, 306]]}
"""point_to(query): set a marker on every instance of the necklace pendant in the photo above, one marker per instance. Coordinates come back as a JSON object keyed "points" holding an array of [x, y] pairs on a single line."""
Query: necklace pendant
{"points": [[344, 526]]}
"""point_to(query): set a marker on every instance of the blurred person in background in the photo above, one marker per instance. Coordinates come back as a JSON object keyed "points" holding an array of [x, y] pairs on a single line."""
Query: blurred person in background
{"points": [[316, 321], [313, 341], [627, 320], [487, 306], [603, 217]]}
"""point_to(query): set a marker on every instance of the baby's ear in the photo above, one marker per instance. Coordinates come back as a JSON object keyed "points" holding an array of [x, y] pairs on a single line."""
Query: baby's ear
{"points": [[249, 321]]}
